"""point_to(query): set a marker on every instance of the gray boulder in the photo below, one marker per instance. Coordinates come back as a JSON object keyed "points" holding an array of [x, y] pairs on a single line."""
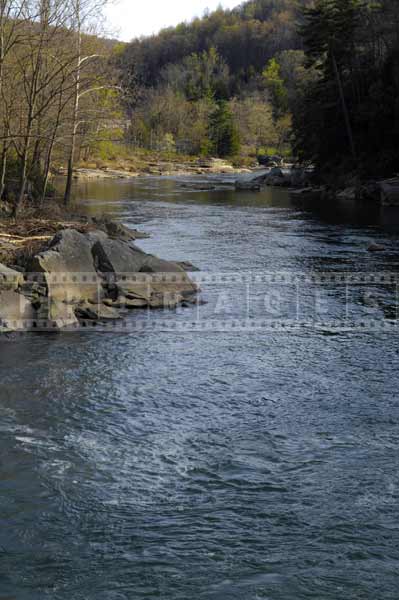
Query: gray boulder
{"points": [[115, 256], [68, 268], [68, 272], [89, 276], [138, 276]]}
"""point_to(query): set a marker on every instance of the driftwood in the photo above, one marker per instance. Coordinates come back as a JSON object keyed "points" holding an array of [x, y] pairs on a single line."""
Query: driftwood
{"points": [[10, 239]]}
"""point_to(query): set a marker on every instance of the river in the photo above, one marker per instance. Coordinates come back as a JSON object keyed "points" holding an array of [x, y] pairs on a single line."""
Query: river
{"points": [[221, 461]]}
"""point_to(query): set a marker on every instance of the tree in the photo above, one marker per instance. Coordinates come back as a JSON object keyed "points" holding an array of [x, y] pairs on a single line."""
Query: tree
{"points": [[223, 133], [36, 73], [198, 76], [275, 85], [84, 15], [329, 34], [254, 118]]}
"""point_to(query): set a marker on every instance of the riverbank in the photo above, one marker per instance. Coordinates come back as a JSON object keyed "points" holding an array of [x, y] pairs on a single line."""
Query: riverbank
{"points": [[153, 166], [303, 183]]}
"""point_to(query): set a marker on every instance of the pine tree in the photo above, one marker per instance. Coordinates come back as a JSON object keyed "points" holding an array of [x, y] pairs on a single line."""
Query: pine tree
{"points": [[324, 126], [223, 133]]}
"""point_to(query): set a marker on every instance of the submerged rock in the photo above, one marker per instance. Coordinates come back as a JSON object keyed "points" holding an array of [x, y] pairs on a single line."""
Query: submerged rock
{"points": [[375, 248], [252, 186], [201, 187]]}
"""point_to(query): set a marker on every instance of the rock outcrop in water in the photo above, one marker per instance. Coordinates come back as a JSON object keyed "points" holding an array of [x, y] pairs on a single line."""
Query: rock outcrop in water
{"points": [[88, 276], [276, 176]]}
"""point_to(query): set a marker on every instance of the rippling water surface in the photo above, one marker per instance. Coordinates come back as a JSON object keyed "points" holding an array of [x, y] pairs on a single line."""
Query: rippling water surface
{"points": [[216, 466]]}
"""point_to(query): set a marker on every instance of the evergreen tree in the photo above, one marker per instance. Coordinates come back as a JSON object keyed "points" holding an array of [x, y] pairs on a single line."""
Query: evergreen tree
{"points": [[223, 133], [346, 118], [325, 122]]}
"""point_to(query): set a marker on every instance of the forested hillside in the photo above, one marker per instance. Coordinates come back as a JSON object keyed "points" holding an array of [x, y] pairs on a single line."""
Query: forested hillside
{"points": [[216, 77], [318, 78], [245, 37], [314, 79]]}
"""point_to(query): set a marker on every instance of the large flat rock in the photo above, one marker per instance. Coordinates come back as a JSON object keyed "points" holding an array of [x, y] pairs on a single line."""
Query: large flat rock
{"points": [[140, 275], [68, 269], [115, 256]]}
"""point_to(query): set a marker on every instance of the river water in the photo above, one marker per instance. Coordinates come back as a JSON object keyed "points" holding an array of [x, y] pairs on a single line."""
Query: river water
{"points": [[228, 463]]}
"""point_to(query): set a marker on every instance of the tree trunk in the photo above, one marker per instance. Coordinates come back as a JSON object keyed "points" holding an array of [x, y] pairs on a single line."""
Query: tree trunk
{"points": [[75, 114], [22, 182], [344, 108], [46, 173], [3, 168], [68, 187]]}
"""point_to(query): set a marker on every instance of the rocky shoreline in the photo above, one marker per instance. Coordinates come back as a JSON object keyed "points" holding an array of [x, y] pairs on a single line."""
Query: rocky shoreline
{"points": [[92, 272], [211, 166], [300, 183]]}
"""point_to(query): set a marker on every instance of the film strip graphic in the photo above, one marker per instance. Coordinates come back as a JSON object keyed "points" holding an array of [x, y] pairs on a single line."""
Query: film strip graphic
{"points": [[282, 277], [288, 302]]}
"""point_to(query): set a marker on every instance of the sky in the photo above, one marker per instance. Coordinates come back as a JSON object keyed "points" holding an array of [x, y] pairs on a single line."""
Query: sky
{"points": [[127, 19]]}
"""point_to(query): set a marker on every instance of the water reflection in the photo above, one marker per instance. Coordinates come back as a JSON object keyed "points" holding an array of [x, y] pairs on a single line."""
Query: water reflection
{"points": [[97, 195]]}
